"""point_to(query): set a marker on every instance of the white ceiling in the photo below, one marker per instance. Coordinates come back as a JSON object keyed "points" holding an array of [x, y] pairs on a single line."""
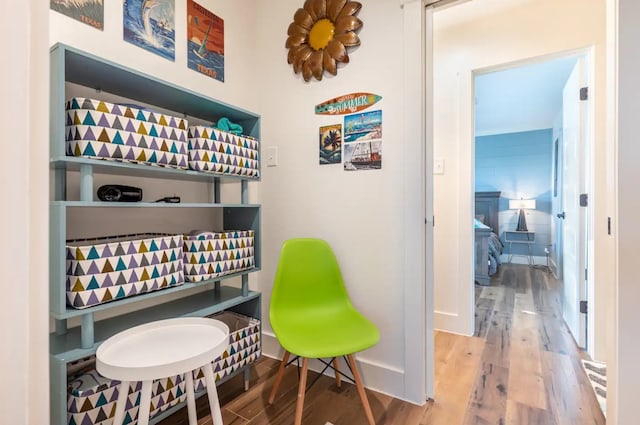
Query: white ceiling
{"points": [[521, 99]]}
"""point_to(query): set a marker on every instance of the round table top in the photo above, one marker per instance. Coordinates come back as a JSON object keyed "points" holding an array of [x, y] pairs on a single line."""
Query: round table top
{"points": [[162, 348]]}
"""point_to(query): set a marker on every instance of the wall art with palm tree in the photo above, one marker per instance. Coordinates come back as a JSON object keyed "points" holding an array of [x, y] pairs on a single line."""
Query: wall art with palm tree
{"points": [[331, 144]]}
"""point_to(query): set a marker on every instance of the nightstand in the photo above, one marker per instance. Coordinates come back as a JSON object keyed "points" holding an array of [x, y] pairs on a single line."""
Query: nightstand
{"points": [[520, 237]]}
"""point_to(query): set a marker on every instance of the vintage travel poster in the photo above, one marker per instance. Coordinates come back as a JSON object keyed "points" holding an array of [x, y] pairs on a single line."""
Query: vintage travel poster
{"points": [[363, 141], [150, 24], [205, 41], [90, 12], [331, 144]]}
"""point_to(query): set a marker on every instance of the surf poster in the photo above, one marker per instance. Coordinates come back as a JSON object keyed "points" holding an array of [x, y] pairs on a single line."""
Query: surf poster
{"points": [[150, 24], [331, 144], [205, 41], [90, 12]]}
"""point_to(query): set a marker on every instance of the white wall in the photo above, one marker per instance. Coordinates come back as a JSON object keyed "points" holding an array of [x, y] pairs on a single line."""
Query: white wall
{"points": [[478, 35], [109, 44], [359, 213], [24, 250]]}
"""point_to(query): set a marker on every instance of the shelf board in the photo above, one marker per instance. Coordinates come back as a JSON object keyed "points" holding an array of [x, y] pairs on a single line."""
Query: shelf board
{"points": [[73, 312], [66, 348], [101, 166], [91, 71], [100, 204]]}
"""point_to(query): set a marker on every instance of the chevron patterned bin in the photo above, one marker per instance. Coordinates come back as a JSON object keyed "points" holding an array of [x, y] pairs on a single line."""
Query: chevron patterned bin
{"points": [[208, 255], [106, 269], [102, 130], [91, 398], [219, 152], [244, 347]]}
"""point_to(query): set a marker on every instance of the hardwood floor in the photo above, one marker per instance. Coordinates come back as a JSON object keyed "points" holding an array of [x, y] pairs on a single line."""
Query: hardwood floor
{"points": [[521, 367]]}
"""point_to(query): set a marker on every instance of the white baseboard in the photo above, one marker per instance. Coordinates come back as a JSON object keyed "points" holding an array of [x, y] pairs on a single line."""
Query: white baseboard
{"points": [[378, 377]]}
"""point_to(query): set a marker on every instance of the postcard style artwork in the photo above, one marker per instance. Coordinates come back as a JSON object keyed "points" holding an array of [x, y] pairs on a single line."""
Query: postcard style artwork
{"points": [[205, 41], [90, 12], [363, 141], [150, 24], [331, 144]]}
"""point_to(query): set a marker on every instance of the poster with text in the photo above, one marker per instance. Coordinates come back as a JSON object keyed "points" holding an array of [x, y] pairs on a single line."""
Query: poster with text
{"points": [[91, 12], [205, 41], [331, 144], [150, 24]]}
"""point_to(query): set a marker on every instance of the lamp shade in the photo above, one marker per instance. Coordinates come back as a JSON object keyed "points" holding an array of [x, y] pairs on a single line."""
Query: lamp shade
{"points": [[522, 204]]}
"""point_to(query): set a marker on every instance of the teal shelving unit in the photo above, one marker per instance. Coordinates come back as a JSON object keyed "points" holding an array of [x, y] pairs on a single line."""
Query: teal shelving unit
{"points": [[69, 344]]}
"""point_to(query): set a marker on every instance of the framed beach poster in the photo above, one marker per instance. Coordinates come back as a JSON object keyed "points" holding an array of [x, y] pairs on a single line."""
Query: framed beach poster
{"points": [[205, 41]]}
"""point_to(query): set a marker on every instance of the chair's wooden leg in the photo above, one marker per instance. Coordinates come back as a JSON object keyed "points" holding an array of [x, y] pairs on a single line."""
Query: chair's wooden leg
{"points": [[363, 394], [279, 377], [337, 370], [302, 386]]}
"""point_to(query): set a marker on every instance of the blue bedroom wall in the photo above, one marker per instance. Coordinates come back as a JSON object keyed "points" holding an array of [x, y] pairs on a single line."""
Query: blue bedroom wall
{"points": [[519, 166]]}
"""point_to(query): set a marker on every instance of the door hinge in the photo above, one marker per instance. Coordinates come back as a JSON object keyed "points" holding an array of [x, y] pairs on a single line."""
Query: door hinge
{"points": [[586, 274], [609, 225], [584, 307], [584, 199], [584, 93]]}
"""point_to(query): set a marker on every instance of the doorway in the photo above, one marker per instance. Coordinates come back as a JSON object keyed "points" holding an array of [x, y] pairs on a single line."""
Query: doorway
{"points": [[530, 144]]}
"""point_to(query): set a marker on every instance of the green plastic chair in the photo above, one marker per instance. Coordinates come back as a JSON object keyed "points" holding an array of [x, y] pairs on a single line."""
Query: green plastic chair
{"points": [[313, 318]]}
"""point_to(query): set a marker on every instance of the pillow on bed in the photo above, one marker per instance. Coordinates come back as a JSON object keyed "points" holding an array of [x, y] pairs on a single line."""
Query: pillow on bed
{"points": [[477, 224]]}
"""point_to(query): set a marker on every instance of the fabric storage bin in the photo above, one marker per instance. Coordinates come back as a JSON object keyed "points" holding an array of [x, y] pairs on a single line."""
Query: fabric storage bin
{"points": [[219, 152], [208, 255], [244, 347], [91, 398], [105, 269], [102, 130]]}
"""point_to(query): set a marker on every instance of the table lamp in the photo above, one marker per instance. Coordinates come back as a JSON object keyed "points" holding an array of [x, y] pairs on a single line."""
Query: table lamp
{"points": [[522, 204]]}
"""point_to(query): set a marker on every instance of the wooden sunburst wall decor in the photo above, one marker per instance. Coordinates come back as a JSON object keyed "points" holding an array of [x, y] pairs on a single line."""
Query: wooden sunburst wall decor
{"points": [[320, 34]]}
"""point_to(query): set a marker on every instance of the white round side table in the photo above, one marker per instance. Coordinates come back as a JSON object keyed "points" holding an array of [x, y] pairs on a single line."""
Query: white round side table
{"points": [[161, 349]]}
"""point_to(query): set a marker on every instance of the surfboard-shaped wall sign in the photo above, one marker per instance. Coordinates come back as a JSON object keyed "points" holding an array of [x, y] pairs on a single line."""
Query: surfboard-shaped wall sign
{"points": [[347, 104]]}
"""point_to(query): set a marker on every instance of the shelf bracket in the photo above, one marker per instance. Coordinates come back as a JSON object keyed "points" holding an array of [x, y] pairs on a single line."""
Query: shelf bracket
{"points": [[245, 285], [86, 331], [61, 326], [86, 182], [215, 190], [244, 194]]}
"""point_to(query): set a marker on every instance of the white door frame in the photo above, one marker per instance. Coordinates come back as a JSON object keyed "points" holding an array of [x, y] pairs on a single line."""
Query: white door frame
{"points": [[414, 29]]}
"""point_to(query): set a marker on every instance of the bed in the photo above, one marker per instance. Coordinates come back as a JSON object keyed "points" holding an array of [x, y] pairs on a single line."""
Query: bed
{"points": [[487, 242]]}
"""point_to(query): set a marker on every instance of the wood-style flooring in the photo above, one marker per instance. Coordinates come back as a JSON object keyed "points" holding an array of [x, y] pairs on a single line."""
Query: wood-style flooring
{"points": [[521, 367]]}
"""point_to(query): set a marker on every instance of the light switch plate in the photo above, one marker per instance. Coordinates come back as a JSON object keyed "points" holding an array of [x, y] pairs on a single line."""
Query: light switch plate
{"points": [[272, 156], [438, 166]]}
